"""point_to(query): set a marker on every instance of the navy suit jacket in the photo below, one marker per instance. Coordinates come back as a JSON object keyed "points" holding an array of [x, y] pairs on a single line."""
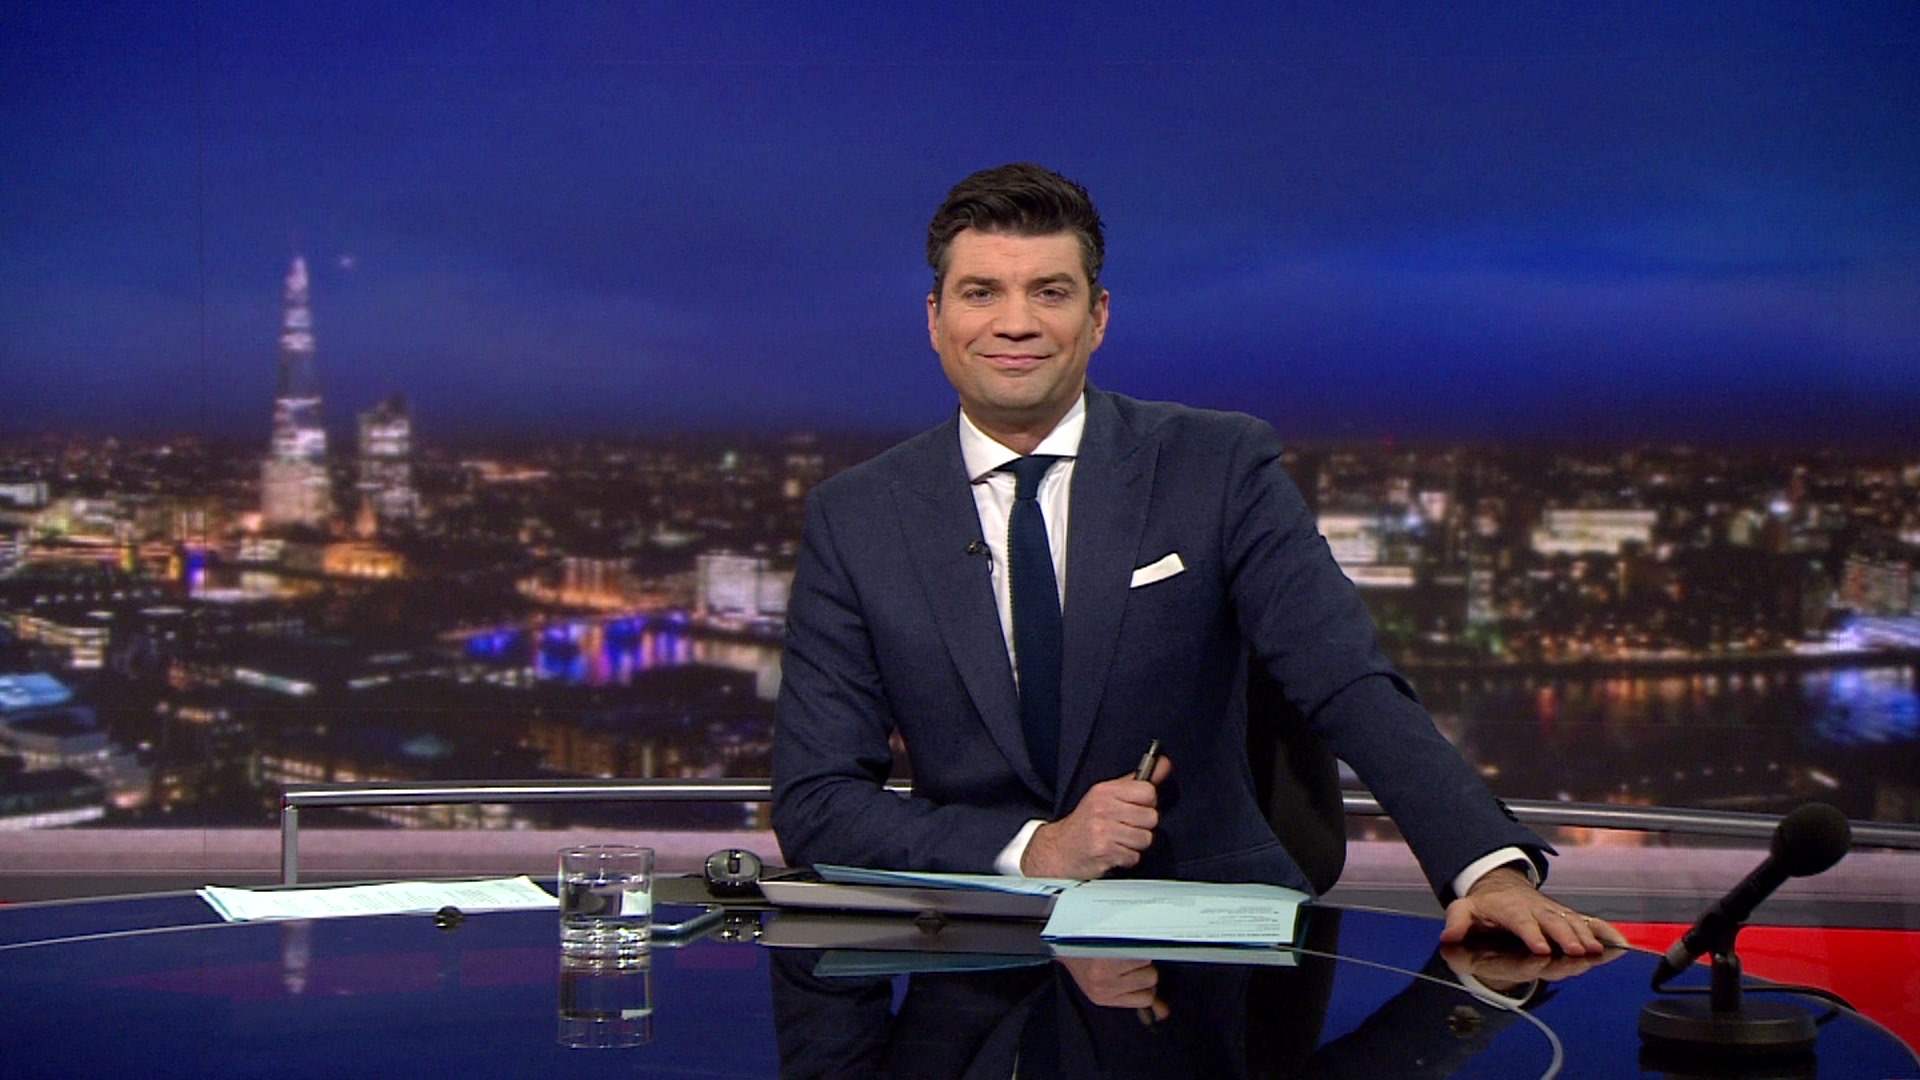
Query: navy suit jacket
{"points": [[1225, 1021], [892, 632]]}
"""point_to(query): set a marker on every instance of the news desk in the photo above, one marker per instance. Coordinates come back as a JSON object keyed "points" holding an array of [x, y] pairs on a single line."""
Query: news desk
{"points": [[157, 986]]}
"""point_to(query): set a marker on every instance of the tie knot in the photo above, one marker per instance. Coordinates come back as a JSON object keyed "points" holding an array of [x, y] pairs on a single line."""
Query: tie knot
{"points": [[1027, 472]]}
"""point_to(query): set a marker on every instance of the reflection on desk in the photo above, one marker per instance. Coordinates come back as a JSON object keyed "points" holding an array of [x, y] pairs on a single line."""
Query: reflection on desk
{"points": [[157, 986], [1123, 1016]]}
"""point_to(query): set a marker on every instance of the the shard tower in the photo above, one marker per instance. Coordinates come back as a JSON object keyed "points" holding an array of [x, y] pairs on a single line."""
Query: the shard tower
{"points": [[294, 491]]}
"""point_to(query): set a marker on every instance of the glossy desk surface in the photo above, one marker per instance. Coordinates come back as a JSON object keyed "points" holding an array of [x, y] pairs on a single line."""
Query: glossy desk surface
{"points": [[157, 986]]}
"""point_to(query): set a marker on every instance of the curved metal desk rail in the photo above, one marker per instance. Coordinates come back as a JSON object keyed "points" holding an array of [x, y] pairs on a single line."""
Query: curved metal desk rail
{"points": [[1531, 811], [1672, 820], [400, 793]]}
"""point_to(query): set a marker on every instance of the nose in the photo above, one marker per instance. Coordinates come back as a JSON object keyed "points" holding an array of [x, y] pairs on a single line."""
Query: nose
{"points": [[1015, 320]]}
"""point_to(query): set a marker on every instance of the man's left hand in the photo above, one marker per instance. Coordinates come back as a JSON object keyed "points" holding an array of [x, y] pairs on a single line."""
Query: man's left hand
{"points": [[1503, 899]]}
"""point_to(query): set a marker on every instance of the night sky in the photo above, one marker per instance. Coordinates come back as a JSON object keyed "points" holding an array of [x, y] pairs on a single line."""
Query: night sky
{"points": [[1519, 221]]}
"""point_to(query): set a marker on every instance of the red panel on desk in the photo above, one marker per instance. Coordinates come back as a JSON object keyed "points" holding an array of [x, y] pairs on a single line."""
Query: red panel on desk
{"points": [[1877, 970]]}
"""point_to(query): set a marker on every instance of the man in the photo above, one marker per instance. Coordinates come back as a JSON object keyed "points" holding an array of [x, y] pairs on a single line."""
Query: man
{"points": [[1177, 549], [1210, 1019]]}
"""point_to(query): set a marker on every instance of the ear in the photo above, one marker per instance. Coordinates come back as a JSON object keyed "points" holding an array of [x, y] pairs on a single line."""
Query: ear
{"points": [[933, 320], [1100, 318]]}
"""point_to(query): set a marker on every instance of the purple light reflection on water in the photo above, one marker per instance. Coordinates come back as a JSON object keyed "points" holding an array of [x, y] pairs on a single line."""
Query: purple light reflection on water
{"points": [[1759, 739], [1865, 706], [590, 653]]}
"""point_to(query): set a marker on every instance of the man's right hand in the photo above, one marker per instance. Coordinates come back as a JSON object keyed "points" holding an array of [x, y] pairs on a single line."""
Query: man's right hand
{"points": [[1115, 983], [1113, 824]]}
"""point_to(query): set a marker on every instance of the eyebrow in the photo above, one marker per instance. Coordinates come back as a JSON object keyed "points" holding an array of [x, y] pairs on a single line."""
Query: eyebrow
{"points": [[1044, 279]]}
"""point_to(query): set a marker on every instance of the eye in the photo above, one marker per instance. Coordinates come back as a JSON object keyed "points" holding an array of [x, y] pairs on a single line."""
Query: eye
{"points": [[1053, 294], [976, 294]]}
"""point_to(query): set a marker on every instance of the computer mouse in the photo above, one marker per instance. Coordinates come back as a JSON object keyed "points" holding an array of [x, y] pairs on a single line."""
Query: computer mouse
{"points": [[733, 872]]}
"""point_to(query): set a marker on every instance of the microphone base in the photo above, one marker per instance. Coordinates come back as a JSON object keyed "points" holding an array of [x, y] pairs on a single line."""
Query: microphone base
{"points": [[1756, 1029]]}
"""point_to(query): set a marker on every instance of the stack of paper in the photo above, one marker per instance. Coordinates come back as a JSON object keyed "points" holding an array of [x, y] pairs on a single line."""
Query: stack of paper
{"points": [[1190, 912], [1022, 886], [1193, 912], [501, 894]]}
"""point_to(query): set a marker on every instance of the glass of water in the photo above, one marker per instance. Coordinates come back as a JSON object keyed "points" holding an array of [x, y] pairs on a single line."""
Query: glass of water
{"points": [[606, 901], [605, 1004]]}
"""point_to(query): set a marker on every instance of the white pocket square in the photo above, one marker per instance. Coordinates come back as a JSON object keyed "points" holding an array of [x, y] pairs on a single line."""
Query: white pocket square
{"points": [[1158, 570]]}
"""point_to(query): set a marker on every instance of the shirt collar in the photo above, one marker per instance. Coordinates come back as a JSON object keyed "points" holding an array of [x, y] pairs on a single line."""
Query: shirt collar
{"points": [[983, 454]]}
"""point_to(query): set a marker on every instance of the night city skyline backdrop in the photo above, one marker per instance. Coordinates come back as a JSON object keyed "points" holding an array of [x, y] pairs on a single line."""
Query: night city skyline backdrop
{"points": [[1493, 222]]}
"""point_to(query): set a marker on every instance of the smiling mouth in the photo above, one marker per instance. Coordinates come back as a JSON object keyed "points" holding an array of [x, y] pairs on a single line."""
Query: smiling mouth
{"points": [[1013, 360]]}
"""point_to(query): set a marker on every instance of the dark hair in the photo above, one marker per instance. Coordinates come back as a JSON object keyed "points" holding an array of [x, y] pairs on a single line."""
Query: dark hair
{"points": [[1022, 199]]}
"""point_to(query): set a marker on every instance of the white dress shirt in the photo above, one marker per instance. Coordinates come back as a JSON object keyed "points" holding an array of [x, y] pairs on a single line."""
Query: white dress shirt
{"points": [[993, 498]]}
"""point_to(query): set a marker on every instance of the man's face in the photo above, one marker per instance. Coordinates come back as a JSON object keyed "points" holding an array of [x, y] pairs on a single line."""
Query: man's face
{"points": [[1015, 322]]}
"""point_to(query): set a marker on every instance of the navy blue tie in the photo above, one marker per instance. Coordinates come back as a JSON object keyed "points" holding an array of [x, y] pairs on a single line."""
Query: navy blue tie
{"points": [[1036, 615]]}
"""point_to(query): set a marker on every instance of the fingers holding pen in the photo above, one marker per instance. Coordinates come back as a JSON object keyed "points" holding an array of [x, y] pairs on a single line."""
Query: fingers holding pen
{"points": [[1109, 829]]}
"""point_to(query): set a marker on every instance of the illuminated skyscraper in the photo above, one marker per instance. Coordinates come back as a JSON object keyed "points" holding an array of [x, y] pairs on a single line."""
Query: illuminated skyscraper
{"points": [[741, 587], [293, 480], [386, 462]]}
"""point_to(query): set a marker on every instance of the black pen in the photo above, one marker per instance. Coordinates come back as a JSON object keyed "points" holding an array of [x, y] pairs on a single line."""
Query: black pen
{"points": [[1147, 761]]}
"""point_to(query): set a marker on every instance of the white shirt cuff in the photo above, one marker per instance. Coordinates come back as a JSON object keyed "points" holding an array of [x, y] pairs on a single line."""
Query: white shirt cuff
{"points": [[1008, 861], [1479, 867]]}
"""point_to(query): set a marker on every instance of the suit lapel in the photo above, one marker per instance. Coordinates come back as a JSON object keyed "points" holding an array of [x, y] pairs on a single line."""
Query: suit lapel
{"points": [[1112, 482], [940, 521]]}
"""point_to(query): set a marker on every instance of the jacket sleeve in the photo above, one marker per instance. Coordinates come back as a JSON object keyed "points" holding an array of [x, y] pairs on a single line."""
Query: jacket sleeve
{"points": [[1305, 622], [833, 726]]}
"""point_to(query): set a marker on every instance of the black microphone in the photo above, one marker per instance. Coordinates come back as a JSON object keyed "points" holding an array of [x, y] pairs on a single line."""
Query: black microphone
{"points": [[1807, 842], [979, 547]]}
